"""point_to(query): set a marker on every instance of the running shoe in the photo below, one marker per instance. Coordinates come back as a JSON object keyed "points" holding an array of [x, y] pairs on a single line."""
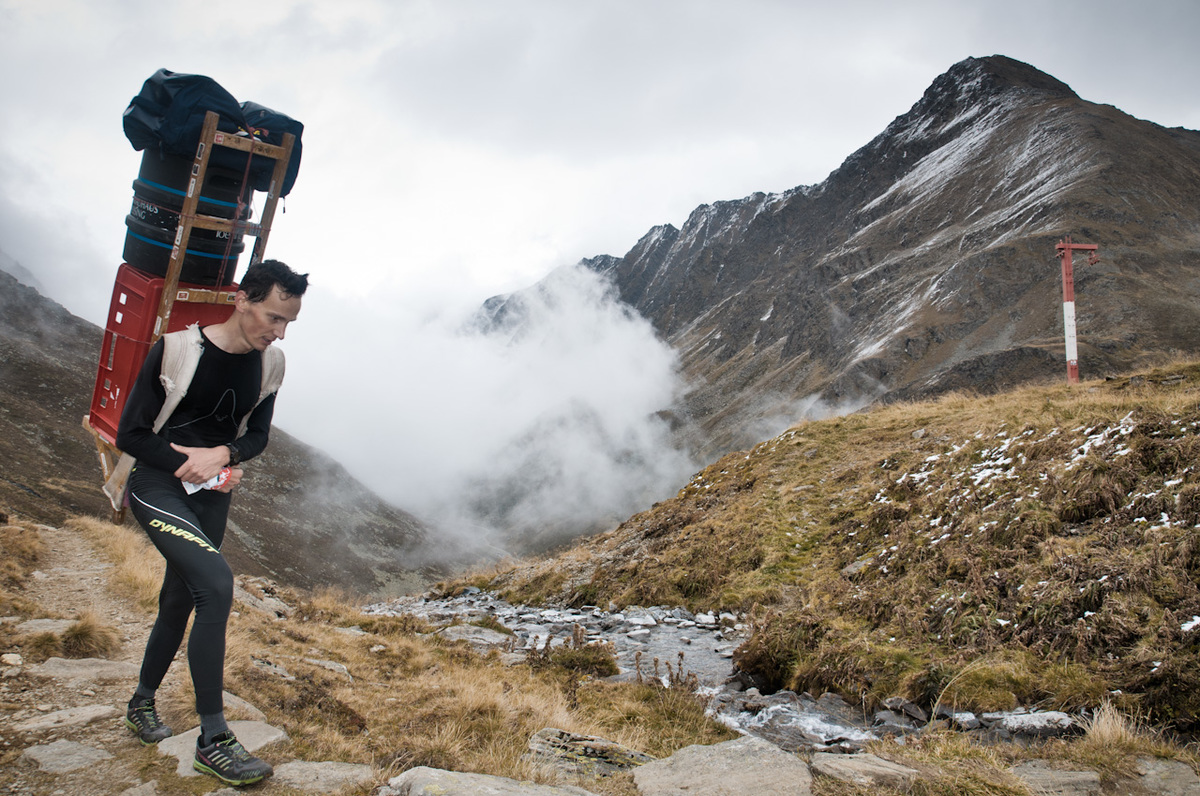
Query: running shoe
{"points": [[227, 760], [146, 724]]}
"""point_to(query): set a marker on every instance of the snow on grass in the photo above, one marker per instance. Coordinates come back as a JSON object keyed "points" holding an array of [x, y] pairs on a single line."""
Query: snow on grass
{"points": [[1098, 438], [994, 471]]}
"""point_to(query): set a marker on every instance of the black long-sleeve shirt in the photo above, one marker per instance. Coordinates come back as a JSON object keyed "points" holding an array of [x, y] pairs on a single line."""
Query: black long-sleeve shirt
{"points": [[222, 391]]}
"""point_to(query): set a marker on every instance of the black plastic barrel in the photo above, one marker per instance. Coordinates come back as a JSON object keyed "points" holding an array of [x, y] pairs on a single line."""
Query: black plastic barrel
{"points": [[158, 196]]}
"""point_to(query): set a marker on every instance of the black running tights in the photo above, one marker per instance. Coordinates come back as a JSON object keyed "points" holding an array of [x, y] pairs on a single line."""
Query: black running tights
{"points": [[188, 531]]}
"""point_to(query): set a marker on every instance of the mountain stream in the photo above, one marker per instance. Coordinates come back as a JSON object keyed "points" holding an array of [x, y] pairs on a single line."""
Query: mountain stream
{"points": [[655, 643]]}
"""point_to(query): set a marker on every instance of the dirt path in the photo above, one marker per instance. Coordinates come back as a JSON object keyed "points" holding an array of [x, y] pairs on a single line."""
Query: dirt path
{"points": [[72, 580]]}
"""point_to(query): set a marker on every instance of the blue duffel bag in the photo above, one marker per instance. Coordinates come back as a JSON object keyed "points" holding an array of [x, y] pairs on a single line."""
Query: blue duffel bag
{"points": [[168, 115]]}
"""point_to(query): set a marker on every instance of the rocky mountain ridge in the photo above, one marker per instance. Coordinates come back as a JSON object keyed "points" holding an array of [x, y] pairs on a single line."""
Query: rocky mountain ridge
{"points": [[926, 263]]}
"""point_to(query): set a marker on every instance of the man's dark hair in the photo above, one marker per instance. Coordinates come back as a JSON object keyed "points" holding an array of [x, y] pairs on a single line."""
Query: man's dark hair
{"points": [[261, 276]]}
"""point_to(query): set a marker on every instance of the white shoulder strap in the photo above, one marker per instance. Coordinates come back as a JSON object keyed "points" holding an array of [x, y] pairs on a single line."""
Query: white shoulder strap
{"points": [[273, 366], [181, 355]]}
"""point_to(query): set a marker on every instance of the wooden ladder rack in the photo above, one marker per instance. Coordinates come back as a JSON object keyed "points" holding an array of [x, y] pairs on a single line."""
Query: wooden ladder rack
{"points": [[189, 219]]}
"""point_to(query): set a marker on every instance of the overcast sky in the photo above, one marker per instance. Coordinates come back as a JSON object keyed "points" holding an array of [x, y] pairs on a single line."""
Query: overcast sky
{"points": [[456, 149]]}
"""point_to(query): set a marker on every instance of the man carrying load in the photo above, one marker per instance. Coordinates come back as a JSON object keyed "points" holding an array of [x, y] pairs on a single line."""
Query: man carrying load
{"points": [[223, 398]]}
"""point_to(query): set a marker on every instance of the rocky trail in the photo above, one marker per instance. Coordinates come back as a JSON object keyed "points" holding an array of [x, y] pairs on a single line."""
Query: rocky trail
{"points": [[62, 732]]}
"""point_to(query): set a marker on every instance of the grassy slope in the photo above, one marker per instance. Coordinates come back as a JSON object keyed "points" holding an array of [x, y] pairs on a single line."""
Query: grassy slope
{"points": [[1034, 547]]}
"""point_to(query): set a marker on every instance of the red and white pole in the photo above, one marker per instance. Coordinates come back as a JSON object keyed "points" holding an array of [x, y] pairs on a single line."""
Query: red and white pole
{"points": [[1064, 248]]}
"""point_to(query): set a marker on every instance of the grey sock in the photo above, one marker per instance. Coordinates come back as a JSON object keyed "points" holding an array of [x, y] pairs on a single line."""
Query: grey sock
{"points": [[212, 725], [141, 695]]}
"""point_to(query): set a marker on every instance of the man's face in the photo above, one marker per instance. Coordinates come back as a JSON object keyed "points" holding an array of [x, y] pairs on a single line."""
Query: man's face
{"points": [[264, 322]]}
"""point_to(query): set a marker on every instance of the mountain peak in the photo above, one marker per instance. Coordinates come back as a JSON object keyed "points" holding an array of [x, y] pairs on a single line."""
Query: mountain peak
{"points": [[997, 73], [965, 93], [973, 84]]}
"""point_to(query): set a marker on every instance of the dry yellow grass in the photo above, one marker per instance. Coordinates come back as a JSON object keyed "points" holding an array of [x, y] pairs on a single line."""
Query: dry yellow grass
{"points": [[409, 700], [41, 646], [1115, 739], [139, 567], [948, 764], [20, 550], [89, 637], [1112, 729], [22, 547]]}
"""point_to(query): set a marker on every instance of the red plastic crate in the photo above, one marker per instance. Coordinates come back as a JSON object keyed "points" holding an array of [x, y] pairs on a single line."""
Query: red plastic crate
{"points": [[131, 317]]}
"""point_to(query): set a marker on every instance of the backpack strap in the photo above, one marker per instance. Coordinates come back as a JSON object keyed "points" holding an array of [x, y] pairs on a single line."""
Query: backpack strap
{"points": [[181, 355], [273, 366]]}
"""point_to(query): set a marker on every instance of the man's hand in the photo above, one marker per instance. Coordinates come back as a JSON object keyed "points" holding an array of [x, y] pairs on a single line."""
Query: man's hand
{"points": [[202, 463], [235, 478]]}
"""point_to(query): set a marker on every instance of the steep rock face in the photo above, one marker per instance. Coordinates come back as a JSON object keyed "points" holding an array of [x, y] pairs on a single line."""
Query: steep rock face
{"points": [[926, 262]]}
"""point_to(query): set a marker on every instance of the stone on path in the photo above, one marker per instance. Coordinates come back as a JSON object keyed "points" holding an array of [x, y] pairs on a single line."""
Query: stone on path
{"points": [[1168, 777], [90, 669], [145, 789], [423, 781], [325, 777], [63, 756], [267, 603], [732, 768], [253, 735], [583, 755], [332, 666], [864, 769], [34, 626], [234, 703], [1047, 781], [71, 717]]}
